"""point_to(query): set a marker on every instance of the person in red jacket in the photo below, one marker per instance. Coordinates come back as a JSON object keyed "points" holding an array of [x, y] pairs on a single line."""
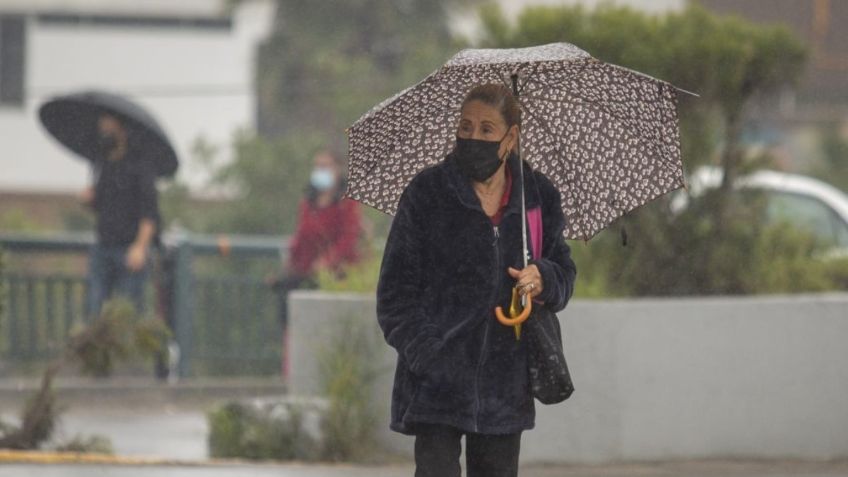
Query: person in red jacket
{"points": [[328, 230], [328, 227]]}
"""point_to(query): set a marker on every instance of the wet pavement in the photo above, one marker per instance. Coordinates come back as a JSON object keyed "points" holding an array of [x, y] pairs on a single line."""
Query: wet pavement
{"points": [[152, 426], [198, 471], [168, 433], [179, 433], [681, 469]]}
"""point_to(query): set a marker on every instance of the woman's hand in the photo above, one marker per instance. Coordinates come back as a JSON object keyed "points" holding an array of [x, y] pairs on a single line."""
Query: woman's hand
{"points": [[529, 280]]}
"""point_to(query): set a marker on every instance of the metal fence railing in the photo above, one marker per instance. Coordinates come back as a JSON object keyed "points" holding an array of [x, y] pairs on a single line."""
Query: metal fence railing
{"points": [[39, 313], [210, 290]]}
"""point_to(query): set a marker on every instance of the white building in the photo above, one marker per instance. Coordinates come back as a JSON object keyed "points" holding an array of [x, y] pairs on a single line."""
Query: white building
{"points": [[190, 62]]}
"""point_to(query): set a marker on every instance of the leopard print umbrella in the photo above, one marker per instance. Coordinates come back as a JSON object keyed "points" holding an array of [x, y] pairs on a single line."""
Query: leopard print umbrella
{"points": [[606, 136]]}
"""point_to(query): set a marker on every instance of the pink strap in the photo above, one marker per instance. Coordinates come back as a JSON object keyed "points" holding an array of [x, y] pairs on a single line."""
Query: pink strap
{"points": [[534, 221]]}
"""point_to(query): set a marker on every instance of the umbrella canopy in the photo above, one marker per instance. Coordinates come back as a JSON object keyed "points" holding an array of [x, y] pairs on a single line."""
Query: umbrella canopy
{"points": [[606, 136], [72, 120]]}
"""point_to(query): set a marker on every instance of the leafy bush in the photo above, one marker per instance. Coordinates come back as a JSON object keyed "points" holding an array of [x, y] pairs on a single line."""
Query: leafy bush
{"points": [[653, 252], [592, 261], [348, 372], [265, 430], [785, 260], [116, 335], [836, 271], [690, 254], [338, 428], [360, 278], [94, 444]]}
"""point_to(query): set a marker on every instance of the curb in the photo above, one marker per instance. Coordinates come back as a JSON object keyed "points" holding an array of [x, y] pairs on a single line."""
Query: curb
{"points": [[83, 458], [39, 457]]}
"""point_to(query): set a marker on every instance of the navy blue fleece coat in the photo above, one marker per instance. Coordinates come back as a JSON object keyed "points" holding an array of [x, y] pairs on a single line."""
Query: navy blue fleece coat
{"points": [[444, 271]]}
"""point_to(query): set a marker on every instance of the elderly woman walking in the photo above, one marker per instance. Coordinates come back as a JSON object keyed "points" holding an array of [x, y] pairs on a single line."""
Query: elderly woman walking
{"points": [[453, 255]]}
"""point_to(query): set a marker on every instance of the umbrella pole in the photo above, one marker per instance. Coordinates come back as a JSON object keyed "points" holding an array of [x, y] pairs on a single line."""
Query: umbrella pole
{"points": [[524, 252], [518, 315]]}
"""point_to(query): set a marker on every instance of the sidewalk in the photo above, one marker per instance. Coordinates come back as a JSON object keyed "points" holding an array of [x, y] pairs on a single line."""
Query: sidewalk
{"points": [[676, 469], [167, 424]]}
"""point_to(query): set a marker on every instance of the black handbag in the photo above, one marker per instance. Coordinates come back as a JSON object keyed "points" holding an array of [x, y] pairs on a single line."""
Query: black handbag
{"points": [[550, 380]]}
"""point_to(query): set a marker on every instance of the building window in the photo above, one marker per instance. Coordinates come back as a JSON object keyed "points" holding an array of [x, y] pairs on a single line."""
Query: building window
{"points": [[12, 56]]}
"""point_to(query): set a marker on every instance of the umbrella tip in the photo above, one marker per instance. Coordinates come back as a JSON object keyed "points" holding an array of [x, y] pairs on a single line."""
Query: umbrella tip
{"points": [[690, 93]]}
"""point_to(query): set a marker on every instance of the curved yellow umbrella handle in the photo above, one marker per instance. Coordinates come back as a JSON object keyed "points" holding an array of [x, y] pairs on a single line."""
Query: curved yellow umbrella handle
{"points": [[521, 318]]}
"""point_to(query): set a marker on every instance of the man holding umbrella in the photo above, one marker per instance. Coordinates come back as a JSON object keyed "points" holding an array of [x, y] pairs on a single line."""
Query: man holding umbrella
{"points": [[125, 204], [127, 150]]}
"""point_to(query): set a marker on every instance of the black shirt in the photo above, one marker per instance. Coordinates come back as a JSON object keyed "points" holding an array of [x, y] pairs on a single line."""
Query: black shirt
{"points": [[124, 194]]}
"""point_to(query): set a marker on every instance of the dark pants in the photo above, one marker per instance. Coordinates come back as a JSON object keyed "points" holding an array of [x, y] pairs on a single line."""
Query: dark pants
{"points": [[437, 451], [282, 286], [108, 275]]}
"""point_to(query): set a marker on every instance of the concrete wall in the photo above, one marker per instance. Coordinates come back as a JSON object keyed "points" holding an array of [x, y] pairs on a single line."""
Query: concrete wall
{"points": [[761, 377]]}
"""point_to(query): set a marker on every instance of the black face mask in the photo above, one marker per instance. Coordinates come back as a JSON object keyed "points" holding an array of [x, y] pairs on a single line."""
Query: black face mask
{"points": [[477, 159], [106, 143]]}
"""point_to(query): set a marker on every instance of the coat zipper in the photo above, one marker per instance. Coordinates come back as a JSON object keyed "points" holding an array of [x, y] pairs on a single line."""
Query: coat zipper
{"points": [[486, 333]]}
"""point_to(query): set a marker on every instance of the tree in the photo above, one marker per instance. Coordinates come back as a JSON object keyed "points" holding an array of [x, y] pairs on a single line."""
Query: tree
{"points": [[834, 165], [725, 60], [731, 62], [266, 178], [328, 62]]}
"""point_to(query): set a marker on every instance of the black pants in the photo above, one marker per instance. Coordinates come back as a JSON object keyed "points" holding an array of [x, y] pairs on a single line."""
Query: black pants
{"points": [[437, 451], [282, 286]]}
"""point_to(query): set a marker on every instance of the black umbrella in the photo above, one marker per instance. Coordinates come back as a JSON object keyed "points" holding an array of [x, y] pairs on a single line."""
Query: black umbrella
{"points": [[72, 120]]}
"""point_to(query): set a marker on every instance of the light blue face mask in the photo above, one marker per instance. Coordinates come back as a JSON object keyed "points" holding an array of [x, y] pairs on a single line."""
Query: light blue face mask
{"points": [[322, 179]]}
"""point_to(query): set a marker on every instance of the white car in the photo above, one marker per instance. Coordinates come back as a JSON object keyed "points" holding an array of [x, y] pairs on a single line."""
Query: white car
{"points": [[806, 203]]}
